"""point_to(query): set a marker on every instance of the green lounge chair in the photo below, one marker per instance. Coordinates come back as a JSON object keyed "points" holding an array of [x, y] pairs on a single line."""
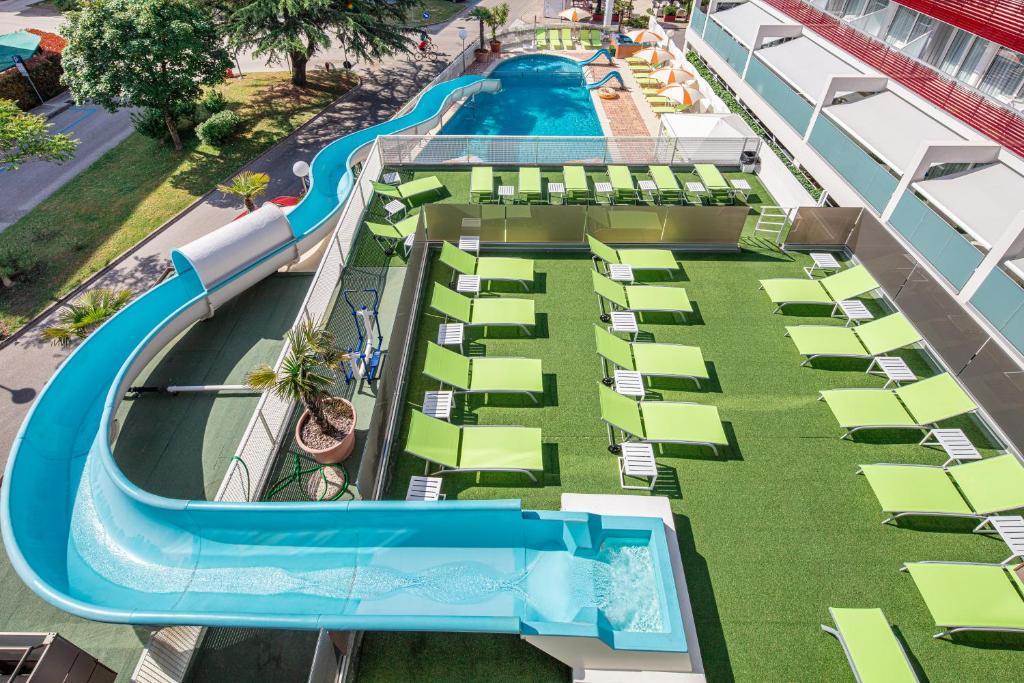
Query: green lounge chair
{"points": [[481, 184], [501, 269], [475, 449], [668, 109], [389, 236], [966, 596], [637, 259], [874, 652], [641, 68], [596, 39], [640, 298], [410, 190], [973, 490], [668, 186], [847, 284], [554, 41], [530, 185], [718, 187], [483, 311], [540, 37], [875, 338], [652, 360], [622, 182], [576, 187], [586, 41], [484, 375], [660, 421], [567, 41], [915, 406]]}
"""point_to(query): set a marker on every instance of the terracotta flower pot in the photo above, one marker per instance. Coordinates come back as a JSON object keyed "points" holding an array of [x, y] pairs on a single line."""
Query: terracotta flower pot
{"points": [[495, 46], [332, 454], [481, 55]]}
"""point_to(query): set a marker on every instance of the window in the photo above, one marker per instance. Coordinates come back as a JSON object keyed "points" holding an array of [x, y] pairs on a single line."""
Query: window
{"points": [[1004, 76], [949, 64]]}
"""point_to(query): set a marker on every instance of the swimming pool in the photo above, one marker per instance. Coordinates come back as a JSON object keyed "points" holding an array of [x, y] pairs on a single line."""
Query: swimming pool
{"points": [[541, 95]]}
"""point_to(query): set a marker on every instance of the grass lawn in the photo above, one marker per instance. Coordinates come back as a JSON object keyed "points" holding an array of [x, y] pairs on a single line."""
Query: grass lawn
{"points": [[440, 11], [140, 184], [773, 532]]}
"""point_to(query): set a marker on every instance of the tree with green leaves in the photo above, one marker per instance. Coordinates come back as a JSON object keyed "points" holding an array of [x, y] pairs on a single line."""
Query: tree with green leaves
{"points": [[143, 53], [25, 136], [297, 29], [77, 320], [248, 185], [482, 15]]}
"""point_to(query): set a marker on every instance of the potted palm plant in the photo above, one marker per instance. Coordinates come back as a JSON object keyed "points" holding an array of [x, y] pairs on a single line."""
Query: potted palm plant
{"points": [[326, 430], [481, 14], [78, 319], [496, 18], [670, 12], [248, 185]]}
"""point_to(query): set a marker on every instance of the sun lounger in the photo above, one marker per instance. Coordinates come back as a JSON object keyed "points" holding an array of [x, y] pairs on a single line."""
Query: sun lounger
{"points": [[965, 596], [576, 187], [567, 42], [483, 311], [410, 190], [484, 375], [847, 284], [475, 448], [637, 259], [389, 236], [622, 182], [540, 37], [651, 360], [668, 109], [497, 268], [915, 406], [554, 41], [668, 186], [481, 184], [973, 490], [586, 41], [530, 184], [641, 298], [596, 38], [718, 187], [874, 652], [871, 339], [661, 421]]}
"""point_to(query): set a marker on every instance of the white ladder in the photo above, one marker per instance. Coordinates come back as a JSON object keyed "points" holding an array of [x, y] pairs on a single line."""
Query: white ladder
{"points": [[774, 220]]}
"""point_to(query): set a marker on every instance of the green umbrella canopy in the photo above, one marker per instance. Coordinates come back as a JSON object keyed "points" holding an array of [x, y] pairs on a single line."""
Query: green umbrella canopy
{"points": [[20, 43]]}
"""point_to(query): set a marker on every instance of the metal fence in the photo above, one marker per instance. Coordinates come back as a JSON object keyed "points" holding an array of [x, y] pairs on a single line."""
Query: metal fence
{"points": [[427, 150]]}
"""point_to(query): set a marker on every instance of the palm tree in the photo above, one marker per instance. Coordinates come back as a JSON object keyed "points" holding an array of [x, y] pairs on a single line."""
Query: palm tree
{"points": [[481, 14], [77, 320], [248, 185], [304, 375]]}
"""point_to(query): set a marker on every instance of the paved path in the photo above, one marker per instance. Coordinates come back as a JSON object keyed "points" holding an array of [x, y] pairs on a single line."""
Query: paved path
{"points": [[29, 362]]}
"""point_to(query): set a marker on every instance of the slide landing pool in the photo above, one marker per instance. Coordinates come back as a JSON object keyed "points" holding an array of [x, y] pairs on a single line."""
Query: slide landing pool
{"points": [[87, 540]]}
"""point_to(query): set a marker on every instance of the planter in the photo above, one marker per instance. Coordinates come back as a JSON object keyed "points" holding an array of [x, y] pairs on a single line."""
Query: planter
{"points": [[332, 454], [598, 18], [481, 55], [495, 46], [669, 17]]}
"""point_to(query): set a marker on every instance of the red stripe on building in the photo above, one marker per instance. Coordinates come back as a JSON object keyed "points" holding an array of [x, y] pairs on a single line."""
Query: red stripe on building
{"points": [[1001, 21], [989, 119]]}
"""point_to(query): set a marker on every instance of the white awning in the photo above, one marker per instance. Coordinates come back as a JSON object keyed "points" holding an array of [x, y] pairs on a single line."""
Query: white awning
{"points": [[743, 21], [706, 126], [892, 128], [983, 201], [805, 64]]}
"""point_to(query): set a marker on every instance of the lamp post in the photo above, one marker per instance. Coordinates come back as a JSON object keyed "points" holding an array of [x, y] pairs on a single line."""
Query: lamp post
{"points": [[463, 34], [301, 169]]}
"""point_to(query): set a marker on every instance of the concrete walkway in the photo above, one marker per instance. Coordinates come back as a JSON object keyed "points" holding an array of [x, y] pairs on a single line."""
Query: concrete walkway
{"points": [[27, 363]]}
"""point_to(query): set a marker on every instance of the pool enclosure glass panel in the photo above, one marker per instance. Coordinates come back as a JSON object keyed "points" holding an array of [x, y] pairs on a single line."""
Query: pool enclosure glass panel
{"points": [[698, 19], [726, 46], [1001, 300], [869, 177], [783, 99], [945, 248]]}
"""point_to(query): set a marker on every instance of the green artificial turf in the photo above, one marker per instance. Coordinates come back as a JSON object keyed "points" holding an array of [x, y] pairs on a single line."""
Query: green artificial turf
{"points": [[772, 533]]}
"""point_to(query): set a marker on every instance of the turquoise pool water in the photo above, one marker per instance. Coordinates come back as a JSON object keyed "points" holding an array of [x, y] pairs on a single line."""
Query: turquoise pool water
{"points": [[540, 95]]}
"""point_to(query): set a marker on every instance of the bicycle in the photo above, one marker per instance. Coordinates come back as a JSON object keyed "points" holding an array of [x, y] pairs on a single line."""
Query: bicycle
{"points": [[427, 50]]}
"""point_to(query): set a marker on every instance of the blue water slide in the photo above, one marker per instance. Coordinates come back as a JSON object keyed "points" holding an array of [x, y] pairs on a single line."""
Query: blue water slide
{"points": [[607, 77], [597, 55], [87, 540]]}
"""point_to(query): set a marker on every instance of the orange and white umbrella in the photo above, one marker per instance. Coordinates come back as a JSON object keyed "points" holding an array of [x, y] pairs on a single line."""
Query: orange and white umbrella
{"points": [[645, 36], [575, 14], [654, 56], [668, 76], [680, 93]]}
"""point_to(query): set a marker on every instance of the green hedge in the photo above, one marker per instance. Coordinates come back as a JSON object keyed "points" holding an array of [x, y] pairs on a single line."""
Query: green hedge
{"points": [[734, 106], [45, 70]]}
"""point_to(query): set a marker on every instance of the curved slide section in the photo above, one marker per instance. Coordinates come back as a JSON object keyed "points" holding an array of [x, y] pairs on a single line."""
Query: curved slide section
{"points": [[607, 77], [87, 540], [597, 55]]}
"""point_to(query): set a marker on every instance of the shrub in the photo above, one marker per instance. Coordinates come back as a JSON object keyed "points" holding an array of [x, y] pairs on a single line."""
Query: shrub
{"points": [[150, 122], [213, 102], [17, 263], [636, 22], [219, 128], [66, 5]]}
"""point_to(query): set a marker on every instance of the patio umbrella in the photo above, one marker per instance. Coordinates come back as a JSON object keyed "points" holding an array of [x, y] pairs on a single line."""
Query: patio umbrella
{"points": [[645, 36], [668, 76], [654, 56], [680, 93], [575, 14]]}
